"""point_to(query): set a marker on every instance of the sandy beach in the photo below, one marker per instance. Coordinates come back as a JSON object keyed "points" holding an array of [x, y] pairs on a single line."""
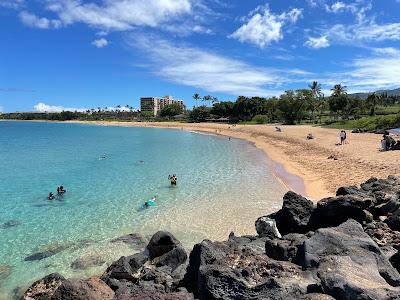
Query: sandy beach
{"points": [[357, 161]]}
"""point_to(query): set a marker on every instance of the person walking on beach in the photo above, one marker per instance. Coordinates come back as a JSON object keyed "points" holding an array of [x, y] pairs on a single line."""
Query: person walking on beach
{"points": [[342, 136]]}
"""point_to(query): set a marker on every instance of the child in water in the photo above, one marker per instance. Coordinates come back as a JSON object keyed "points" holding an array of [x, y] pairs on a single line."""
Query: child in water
{"points": [[151, 201]]}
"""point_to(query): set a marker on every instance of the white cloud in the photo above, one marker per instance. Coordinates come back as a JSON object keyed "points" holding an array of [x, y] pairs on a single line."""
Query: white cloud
{"points": [[1, 109], [379, 71], [15, 4], [122, 108], [387, 51], [210, 71], [317, 43], [312, 3], [182, 17], [263, 27], [102, 33], [336, 7], [364, 32], [32, 20], [120, 14], [100, 43], [42, 107], [358, 8]]}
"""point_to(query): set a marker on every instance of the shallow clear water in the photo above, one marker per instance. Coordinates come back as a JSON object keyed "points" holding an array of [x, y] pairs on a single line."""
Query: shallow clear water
{"points": [[223, 186]]}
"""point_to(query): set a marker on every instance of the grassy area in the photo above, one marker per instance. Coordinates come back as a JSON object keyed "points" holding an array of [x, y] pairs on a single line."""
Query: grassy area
{"points": [[369, 123], [387, 110]]}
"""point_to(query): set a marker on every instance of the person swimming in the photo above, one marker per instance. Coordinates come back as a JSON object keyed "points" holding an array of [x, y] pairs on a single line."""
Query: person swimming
{"points": [[150, 202], [51, 196]]}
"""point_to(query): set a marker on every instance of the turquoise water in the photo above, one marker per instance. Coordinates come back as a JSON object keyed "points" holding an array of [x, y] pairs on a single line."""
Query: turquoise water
{"points": [[223, 186]]}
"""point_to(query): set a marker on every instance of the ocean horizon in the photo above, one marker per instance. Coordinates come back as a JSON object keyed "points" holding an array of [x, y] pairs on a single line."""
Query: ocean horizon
{"points": [[109, 172]]}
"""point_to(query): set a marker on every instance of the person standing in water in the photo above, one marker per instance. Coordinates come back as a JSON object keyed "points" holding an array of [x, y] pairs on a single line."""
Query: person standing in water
{"points": [[172, 179]]}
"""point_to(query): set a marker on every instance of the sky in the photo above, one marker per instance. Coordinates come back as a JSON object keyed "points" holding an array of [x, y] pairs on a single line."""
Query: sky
{"points": [[82, 54]]}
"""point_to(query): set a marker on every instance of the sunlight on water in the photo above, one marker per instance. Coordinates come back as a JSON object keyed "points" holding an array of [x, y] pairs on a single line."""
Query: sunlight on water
{"points": [[223, 186]]}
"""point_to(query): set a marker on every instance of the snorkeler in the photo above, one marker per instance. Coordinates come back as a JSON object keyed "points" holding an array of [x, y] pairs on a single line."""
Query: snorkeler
{"points": [[51, 196], [150, 202]]}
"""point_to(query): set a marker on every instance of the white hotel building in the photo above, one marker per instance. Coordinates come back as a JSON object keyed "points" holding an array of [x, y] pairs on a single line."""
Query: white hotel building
{"points": [[155, 104]]}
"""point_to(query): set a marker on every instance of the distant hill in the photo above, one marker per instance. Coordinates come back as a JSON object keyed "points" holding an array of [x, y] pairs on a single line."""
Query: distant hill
{"points": [[395, 92]]}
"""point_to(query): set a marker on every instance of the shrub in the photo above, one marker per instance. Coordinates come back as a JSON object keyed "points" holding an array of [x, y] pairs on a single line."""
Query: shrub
{"points": [[261, 119]]}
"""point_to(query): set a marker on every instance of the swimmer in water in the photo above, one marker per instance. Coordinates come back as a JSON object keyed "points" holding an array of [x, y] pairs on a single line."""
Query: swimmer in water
{"points": [[51, 196], [151, 201]]}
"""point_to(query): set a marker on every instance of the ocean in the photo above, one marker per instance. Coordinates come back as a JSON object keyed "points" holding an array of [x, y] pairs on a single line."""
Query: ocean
{"points": [[109, 172]]}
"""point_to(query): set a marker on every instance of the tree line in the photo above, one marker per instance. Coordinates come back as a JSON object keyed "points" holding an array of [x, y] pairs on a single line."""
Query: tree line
{"points": [[294, 106]]}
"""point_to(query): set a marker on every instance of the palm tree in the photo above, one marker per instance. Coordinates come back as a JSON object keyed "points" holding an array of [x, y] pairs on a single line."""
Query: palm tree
{"points": [[315, 88], [196, 97], [373, 100], [214, 100], [339, 90], [206, 99]]}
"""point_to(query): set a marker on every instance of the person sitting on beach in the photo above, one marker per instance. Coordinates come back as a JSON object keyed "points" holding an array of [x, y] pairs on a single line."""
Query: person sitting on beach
{"points": [[278, 129], [310, 136], [51, 196]]}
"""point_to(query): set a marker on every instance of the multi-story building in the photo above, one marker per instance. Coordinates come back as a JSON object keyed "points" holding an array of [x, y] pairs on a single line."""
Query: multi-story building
{"points": [[155, 104]]}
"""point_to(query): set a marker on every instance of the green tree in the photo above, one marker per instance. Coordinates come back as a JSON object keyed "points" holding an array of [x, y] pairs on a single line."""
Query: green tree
{"points": [[222, 109], [171, 110], [339, 90], [246, 108], [146, 115], [317, 94], [372, 101], [316, 90], [206, 99], [338, 101], [292, 105], [196, 98], [199, 114], [261, 119]]}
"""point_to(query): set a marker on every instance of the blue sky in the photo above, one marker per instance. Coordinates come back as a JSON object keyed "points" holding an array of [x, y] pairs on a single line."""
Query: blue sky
{"points": [[81, 54]]}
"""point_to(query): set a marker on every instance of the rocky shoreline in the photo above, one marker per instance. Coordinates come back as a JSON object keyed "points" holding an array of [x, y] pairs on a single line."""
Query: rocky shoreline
{"points": [[344, 247]]}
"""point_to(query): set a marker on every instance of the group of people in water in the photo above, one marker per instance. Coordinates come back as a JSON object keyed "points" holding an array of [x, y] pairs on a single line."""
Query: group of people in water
{"points": [[60, 192]]}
